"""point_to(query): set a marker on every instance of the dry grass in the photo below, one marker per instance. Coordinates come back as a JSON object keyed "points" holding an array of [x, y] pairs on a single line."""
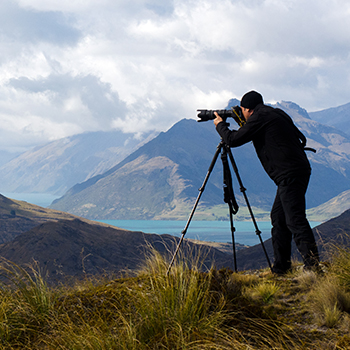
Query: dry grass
{"points": [[188, 309]]}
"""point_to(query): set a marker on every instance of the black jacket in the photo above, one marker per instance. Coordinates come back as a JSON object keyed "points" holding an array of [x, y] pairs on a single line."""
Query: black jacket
{"points": [[278, 142]]}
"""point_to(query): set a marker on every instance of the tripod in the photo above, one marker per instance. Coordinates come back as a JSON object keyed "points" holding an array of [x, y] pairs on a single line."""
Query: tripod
{"points": [[229, 198]]}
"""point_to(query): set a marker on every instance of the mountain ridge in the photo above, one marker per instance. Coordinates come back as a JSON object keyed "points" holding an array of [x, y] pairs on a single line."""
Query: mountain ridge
{"points": [[337, 117]]}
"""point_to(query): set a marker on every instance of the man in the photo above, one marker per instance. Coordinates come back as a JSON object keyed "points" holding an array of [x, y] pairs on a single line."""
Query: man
{"points": [[280, 147]]}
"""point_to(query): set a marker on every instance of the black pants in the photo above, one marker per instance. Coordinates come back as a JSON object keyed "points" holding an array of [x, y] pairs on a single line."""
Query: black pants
{"points": [[288, 218]]}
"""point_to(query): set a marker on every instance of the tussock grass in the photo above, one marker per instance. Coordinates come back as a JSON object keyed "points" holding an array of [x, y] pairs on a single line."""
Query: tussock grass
{"points": [[267, 290], [328, 300], [188, 309], [330, 296], [178, 308], [26, 304], [340, 266], [306, 279]]}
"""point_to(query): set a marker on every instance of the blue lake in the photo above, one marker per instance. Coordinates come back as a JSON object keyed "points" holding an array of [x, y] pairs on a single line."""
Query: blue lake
{"points": [[212, 231]]}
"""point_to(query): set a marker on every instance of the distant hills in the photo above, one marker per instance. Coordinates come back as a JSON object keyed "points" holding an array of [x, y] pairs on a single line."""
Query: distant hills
{"points": [[57, 166], [161, 179]]}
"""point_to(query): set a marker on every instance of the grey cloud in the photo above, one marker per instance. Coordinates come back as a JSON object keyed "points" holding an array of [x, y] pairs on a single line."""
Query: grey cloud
{"points": [[33, 26], [98, 97], [161, 8]]}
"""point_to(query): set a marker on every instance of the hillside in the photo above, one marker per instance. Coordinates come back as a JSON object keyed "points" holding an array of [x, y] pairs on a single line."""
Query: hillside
{"points": [[57, 166], [161, 179], [91, 285], [17, 217], [68, 246], [74, 249], [331, 208]]}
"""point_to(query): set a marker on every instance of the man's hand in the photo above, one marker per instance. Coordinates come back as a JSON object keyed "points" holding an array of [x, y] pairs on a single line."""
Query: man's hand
{"points": [[218, 119]]}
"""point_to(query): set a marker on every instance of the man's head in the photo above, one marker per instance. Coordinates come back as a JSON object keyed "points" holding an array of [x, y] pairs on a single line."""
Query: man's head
{"points": [[248, 103]]}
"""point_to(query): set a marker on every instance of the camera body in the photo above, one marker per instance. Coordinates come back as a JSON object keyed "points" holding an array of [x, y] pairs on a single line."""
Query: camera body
{"points": [[235, 113]]}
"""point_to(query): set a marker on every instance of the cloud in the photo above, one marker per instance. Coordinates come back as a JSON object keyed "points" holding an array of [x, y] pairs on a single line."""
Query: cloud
{"points": [[71, 65], [74, 94], [28, 26], [56, 106]]}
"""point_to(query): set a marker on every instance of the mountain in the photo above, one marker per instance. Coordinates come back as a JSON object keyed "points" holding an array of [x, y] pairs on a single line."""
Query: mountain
{"points": [[335, 232], [339, 117], [162, 176], [6, 156], [333, 152], [57, 166], [161, 179]]}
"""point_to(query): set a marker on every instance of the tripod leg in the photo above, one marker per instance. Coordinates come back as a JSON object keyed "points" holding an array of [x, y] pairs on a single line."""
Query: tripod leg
{"points": [[230, 199], [201, 190], [233, 239], [243, 190]]}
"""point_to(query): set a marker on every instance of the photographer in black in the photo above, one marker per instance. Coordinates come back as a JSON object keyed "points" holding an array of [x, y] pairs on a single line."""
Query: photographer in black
{"points": [[280, 147]]}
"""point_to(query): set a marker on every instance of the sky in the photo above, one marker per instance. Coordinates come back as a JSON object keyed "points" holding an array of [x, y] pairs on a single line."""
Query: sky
{"points": [[72, 66]]}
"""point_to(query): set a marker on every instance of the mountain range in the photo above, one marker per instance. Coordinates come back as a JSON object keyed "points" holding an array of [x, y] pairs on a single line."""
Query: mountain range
{"points": [[57, 166], [161, 179], [103, 175]]}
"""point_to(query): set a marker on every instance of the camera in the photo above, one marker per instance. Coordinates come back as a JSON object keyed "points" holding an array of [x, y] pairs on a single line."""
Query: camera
{"points": [[235, 113]]}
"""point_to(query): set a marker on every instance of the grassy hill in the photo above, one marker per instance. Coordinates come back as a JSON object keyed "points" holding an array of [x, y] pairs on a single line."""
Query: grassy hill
{"points": [[187, 309]]}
